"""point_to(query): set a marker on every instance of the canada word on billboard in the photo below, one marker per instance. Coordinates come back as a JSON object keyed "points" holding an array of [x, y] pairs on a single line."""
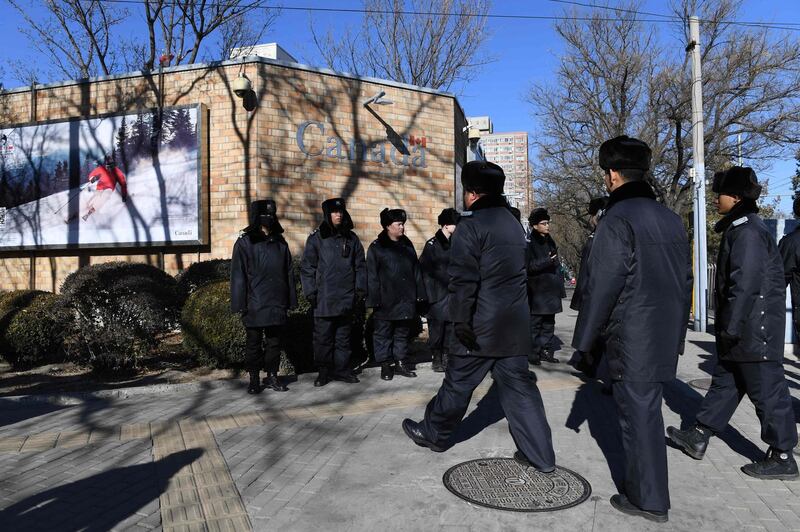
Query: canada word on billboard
{"points": [[113, 181]]}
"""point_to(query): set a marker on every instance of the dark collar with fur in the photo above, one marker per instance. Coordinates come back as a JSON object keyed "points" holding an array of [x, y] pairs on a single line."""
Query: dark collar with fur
{"points": [[385, 241], [629, 190], [488, 202], [743, 208], [443, 240], [326, 230], [257, 235]]}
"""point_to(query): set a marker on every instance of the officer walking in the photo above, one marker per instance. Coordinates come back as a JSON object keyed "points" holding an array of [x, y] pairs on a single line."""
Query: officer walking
{"points": [[395, 291], [545, 286], [750, 321], [588, 362], [262, 290], [433, 263], [637, 296], [489, 306], [334, 277], [789, 248]]}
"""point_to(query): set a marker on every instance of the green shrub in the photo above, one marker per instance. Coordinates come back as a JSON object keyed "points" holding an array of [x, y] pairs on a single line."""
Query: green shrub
{"points": [[33, 327], [201, 273], [120, 308], [210, 329]]}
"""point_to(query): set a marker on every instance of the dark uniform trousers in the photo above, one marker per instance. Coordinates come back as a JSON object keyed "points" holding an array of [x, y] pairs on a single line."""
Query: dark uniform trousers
{"points": [[262, 349], [440, 335], [519, 397], [391, 339], [765, 385], [543, 327], [639, 406], [332, 343]]}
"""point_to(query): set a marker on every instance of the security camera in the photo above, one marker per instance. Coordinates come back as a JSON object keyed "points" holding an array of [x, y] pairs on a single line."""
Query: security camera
{"points": [[242, 86]]}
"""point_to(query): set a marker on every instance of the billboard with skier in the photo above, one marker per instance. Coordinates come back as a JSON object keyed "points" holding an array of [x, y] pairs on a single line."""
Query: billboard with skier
{"points": [[112, 181]]}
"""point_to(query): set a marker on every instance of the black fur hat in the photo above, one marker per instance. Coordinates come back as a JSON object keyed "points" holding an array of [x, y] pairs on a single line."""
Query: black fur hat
{"points": [[623, 153], [337, 205], [597, 204], [537, 215], [389, 216], [517, 213], [264, 213], [483, 177], [737, 181], [448, 217]]}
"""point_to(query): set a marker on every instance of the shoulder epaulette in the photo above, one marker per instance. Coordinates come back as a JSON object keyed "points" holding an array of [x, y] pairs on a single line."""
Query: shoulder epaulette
{"points": [[466, 214], [431, 241], [739, 221], [315, 231]]}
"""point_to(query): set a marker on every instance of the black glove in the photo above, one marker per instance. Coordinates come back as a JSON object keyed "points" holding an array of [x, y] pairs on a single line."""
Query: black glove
{"points": [[466, 336], [423, 307], [727, 337]]}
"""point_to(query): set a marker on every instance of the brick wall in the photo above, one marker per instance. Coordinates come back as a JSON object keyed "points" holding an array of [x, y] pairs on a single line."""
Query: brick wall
{"points": [[255, 154]]}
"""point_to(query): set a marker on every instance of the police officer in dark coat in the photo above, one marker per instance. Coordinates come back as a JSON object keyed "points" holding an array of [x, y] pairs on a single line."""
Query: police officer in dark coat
{"points": [[789, 248], [545, 286], [433, 263], [636, 298], [262, 291], [750, 321], [489, 306], [334, 277], [588, 362], [396, 290]]}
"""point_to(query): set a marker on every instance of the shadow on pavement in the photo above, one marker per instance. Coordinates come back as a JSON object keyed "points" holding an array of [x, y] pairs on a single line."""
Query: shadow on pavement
{"points": [[685, 401], [600, 414], [12, 412], [487, 412], [98, 502]]}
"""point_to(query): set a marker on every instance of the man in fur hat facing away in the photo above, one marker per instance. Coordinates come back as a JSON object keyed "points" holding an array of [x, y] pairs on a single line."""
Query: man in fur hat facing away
{"points": [[636, 298], [545, 286], [434, 261], [396, 290], [262, 291], [334, 276], [489, 306], [750, 321], [790, 252]]}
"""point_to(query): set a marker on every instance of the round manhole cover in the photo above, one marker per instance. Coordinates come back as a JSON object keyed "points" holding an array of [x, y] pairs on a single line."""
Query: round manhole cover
{"points": [[700, 384], [504, 484]]}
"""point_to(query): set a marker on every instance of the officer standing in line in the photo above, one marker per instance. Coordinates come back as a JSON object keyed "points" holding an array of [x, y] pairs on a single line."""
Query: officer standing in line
{"points": [[396, 291], [637, 298], [545, 286], [262, 290], [489, 306], [750, 326], [433, 262], [789, 248], [588, 362], [334, 278]]}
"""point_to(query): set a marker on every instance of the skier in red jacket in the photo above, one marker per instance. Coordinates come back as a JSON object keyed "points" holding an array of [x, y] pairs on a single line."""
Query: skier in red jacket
{"points": [[106, 177]]}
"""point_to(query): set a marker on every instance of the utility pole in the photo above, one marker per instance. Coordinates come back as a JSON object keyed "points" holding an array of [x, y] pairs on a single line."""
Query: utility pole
{"points": [[699, 181]]}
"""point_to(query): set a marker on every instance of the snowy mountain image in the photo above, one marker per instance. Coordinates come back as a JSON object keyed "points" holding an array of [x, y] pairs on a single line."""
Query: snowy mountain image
{"points": [[162, 206]]}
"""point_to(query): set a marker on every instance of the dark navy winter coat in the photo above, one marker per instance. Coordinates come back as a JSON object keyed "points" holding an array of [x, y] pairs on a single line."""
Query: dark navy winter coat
{"points": [[545, 283], [394, 278], [488, 280], [262, 279], [333, 271], [789, 248], [433, 262], [580, 284], [638, 287], [751, 291]]}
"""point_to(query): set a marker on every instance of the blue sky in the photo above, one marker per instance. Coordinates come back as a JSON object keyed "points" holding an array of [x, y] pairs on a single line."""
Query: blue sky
{"points": [[526, 52]]}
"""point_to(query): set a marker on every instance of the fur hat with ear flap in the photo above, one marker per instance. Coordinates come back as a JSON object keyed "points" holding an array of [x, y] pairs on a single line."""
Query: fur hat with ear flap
{"points": [[624, 153], [597, 204], [448, 216], [389, 216], [264, 213], [483, 177], [538, 215], [737, 181]]}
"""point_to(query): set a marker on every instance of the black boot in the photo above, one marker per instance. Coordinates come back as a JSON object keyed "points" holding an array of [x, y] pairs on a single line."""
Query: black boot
{"points": [[400, 368], [437, 365], [621, 503], [255, 384], [272, 382], [535, 359], [777, 465], [387, 371], [322, 378], [548, 356], [693, 440]]}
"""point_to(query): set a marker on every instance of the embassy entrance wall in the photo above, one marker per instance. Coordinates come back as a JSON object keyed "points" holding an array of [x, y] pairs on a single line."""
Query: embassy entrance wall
{"points": [[300, 136]]}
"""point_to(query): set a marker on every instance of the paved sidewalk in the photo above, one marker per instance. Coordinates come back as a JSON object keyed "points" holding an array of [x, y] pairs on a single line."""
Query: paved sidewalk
{"points": [[335, 458]]}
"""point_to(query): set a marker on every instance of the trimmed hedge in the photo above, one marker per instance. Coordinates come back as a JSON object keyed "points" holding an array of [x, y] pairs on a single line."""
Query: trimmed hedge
{"points": [[200, 274], [121, 308], [210, 329], [33, 327]]}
